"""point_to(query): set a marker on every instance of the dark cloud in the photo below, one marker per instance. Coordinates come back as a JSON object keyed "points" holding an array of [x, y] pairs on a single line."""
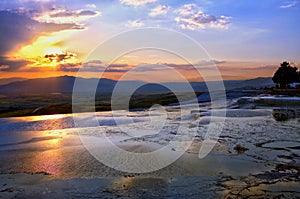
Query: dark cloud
{"points": [[60, 57], [69, 67], [87, 13], [112, 70], [4, 67], [73, 13], [97, 66], [118, 68], [74, 67], [54, 27], [93, 63], [18, 28], [7, 64], [203, 65], [151, 67], [204, 18], [15, 29], [93, 66]]}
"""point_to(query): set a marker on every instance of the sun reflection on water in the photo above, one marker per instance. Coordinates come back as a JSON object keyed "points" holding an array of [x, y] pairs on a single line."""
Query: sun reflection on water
{"points": [[133, 186], [48, 154], [46, 117], [38, 118]]}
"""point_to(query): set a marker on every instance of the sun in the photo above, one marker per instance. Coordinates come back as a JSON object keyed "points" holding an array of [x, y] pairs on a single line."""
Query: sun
{"points": [[53, 51], [46, 52]]}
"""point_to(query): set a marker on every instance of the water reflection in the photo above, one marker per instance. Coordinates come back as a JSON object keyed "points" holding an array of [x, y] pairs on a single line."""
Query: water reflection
{"points": [[53, 138], [37, 118], [44, 151], [48, 117], [50, 160], [35, 150], [141, 187], [36, 123]]}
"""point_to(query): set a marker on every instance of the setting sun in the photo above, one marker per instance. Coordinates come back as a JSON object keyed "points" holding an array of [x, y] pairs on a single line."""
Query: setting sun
{"points": [[46, 52], [53, 51]]}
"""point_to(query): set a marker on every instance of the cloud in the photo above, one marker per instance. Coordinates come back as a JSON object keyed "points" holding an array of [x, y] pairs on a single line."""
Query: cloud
{"points": [[93, 66], [93, 63], [136, 2], [187, 9], [203, 65], [209, 62], [255, 69], [60, 57], [4, 67], [10, 64], [69, 67], [134, 24], [66, 16], [289, 4], [191, 17], [159, 10], [72, 13], [17, 28], [118, 68], [267, 67], [186, 67]]}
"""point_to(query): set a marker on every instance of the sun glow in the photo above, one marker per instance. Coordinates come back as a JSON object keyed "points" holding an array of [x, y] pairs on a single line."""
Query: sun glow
{"points": [[37, 48], [53, 51], [47, 51]]}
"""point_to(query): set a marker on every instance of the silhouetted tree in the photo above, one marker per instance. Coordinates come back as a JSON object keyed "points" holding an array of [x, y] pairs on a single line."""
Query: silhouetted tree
{"points": [[285, 74]]}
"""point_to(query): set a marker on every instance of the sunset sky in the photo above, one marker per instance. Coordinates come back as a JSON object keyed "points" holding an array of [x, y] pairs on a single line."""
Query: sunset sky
{"points": [[245, 38]]}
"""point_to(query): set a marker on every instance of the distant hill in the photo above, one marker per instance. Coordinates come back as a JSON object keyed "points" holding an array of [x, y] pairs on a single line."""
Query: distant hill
{"points": [[10, 80], [259, 82], [64, 84]]}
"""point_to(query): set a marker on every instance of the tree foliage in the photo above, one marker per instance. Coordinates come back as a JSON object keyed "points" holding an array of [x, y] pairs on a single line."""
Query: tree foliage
{"points": [[286, 74]]}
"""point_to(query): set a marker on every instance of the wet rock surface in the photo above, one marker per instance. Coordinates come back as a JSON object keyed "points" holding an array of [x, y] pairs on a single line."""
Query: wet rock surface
{"points": [[255, 157]]}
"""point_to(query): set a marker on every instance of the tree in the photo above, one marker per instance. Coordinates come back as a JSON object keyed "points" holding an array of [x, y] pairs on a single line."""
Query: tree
{"points": [[285, 74]]}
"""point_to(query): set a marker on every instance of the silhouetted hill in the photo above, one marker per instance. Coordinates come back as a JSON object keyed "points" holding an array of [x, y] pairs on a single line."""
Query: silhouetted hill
{"points": [[43, 85], [259, 82], [64, 84], [11, 80]]}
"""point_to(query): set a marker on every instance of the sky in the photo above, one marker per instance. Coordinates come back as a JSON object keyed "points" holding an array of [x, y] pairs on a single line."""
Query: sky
{"points": [[243, 38]]}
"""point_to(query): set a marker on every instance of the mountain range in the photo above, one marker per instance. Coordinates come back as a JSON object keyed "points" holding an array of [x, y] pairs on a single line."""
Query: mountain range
{"points": [[10, 80], [64, 84]]}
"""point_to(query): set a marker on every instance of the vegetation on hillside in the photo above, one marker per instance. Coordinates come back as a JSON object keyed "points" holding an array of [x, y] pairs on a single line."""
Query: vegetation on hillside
{"points": [[41, 104]]}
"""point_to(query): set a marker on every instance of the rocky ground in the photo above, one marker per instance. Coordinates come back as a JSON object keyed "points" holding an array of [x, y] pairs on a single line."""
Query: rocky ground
{"points": [[255, 157]]}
